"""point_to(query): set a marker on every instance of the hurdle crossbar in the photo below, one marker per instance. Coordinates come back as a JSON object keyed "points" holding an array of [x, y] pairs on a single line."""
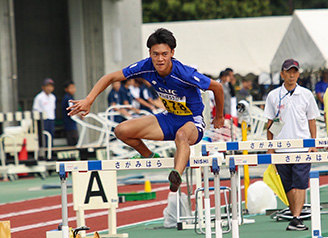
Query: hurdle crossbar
{"points": [[265, 144], [284, 158], [146, 163]]}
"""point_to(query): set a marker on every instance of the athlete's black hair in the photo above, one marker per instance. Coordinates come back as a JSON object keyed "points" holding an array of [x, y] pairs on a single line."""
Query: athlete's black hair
{"points": [[162, 36]]}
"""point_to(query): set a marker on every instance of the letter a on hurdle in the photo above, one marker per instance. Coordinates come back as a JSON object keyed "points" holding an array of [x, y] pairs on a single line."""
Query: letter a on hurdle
{"points": [[95, 175]]}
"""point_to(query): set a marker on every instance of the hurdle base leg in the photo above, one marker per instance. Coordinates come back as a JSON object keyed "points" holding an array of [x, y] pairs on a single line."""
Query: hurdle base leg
{"points": [[112, 220], [315, 204], [112, 231], [218, 228], [80, 220], [235, 229]]}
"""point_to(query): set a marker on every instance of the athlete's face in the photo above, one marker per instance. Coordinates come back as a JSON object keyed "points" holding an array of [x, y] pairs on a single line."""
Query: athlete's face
{"points": [[161, 55], [290, 76]]}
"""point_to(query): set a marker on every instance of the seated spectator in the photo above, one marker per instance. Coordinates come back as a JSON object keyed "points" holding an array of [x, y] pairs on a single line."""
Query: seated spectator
{"points": [[116, 97], [139, 101], [126, 94], [149, 94]]}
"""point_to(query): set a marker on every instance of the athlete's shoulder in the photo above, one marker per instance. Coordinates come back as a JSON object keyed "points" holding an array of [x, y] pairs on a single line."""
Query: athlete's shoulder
{"points": [[183, 68], [185, 72], [190, 75], [138, 68], [142, 64]]}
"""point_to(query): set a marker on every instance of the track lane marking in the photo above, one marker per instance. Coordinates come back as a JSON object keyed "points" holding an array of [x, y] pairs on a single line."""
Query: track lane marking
{"points": [[92, 215], [35, 210]]}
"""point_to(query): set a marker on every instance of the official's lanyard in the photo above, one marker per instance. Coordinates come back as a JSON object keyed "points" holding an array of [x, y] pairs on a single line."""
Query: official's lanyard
{"points": [[281, 98]]}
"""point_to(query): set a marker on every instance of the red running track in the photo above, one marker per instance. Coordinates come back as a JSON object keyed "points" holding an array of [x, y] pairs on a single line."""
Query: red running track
{"points": [[32, 218]]}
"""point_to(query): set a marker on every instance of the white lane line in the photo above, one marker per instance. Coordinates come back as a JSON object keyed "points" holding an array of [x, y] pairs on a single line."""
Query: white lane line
{"points": [[91, 215], [25, 212], [44, 209], [54, 207]]}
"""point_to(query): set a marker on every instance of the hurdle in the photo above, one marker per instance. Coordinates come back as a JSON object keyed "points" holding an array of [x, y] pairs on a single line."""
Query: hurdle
{"points": [[115, 165], [255, 159], [291, 158], [204, 161]]}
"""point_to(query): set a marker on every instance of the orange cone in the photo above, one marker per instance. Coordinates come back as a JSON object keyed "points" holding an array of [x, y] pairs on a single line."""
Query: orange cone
{"points": [[23, 155]]}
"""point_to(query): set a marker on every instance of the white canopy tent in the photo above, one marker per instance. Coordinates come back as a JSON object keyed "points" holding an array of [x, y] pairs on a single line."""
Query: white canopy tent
{"points": [[306, 40], [247, 45]]}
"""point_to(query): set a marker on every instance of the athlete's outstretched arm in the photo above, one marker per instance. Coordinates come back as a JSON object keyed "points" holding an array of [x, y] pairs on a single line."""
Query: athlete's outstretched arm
{"points": [[83, 106], [217, 89]]}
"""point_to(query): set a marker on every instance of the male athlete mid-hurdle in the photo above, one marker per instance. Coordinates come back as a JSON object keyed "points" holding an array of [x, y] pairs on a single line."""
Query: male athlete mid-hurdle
{"points": [[178, 86]]}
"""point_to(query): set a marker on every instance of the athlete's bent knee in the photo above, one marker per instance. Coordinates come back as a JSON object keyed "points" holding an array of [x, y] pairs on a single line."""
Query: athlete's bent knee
{"points": [[181, 136], [120, 131]]}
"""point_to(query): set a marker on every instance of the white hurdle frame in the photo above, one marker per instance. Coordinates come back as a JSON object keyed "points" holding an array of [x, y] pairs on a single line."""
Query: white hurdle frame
{"points": [[205, 161], [103, 165], [291, 158]]}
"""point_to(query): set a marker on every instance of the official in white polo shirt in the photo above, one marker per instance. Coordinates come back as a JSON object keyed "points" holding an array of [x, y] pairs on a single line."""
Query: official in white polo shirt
{"points": [[45, 101], [291, 111]]}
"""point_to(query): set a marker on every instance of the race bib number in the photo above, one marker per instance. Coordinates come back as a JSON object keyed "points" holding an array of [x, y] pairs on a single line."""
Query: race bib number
{"points": [[175, 105]]}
